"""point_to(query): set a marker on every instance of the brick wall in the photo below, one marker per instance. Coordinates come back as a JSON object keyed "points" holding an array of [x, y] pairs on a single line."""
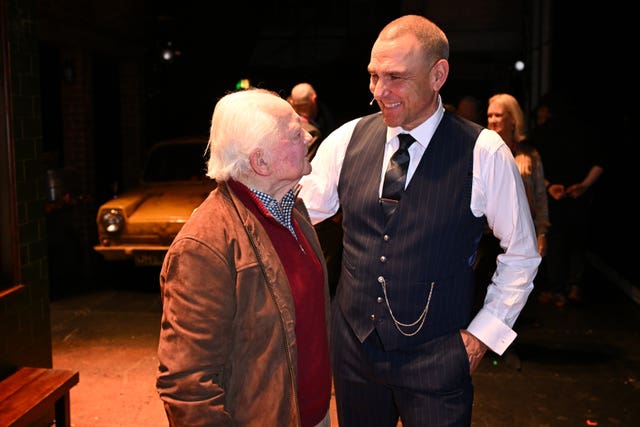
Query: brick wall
{"points": [[25, 327]]}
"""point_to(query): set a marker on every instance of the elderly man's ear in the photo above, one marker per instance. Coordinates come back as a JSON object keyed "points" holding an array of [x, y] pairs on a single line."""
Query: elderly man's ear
{"points": [[259, 163]]}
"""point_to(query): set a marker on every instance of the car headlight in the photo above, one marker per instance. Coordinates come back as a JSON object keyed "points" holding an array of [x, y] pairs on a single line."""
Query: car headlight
{"points": [[112, 221]]}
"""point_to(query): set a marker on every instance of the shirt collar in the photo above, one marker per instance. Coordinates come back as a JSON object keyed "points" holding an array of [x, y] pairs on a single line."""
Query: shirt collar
{"points": [[280, 211], [424, 132]]}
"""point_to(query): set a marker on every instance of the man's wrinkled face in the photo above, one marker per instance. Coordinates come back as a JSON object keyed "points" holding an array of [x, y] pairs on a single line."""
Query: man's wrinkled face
{"points": [[401, 81], [289, 154]]}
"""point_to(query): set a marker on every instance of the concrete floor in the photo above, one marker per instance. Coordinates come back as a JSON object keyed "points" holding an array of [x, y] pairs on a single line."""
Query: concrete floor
{"points": [[576, 366]]}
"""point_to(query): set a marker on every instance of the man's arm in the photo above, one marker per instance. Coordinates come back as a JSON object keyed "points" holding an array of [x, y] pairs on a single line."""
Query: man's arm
{"points": [[319, 189], [499, 195]]}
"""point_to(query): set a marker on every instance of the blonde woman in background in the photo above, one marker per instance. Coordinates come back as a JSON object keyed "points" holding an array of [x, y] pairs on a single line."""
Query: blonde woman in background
{"points": [[505, 116]]}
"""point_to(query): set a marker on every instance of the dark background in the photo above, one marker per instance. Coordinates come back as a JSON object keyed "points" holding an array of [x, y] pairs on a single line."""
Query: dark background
{"points": [[582, 52], [277, 44], [84, 94]]}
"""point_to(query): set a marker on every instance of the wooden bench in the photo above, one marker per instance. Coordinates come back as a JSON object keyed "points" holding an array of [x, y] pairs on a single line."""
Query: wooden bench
{"points": [[30, 395]]}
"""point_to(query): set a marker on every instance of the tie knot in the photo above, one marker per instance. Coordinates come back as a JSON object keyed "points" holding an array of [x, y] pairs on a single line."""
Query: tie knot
{"points": [[405, 141]]}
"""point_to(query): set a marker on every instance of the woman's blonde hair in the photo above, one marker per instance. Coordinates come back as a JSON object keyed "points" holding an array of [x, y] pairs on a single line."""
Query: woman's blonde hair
{"points": [[512, 107]]}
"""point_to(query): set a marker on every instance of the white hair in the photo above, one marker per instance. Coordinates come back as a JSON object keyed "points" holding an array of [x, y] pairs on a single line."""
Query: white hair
{"points": [[241, 122]]}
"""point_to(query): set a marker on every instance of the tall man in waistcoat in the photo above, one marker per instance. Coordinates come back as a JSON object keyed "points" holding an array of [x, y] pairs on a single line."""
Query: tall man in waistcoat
{"points": [[404, 343]]}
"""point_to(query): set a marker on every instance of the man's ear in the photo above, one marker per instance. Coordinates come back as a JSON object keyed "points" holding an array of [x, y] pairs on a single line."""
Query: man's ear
{"points": [[259, 163], [439, 74]]}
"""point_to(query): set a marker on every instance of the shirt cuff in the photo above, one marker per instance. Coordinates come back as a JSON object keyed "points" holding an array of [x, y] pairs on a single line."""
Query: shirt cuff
{"points": [[494, 333]]}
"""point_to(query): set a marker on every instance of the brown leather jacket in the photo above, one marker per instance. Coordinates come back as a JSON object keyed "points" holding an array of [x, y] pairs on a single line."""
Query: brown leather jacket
{"points": [[227, 350]]}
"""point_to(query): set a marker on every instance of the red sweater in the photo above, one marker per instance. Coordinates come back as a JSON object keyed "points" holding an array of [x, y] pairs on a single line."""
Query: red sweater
{"points": [[304, 272]]}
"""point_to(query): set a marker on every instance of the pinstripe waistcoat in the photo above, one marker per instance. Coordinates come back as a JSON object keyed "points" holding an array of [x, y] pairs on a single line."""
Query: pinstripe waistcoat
{"points": [[426, 251]]}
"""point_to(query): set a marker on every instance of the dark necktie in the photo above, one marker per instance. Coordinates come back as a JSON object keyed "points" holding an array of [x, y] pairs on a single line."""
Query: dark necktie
{"points": [[396, 176]]}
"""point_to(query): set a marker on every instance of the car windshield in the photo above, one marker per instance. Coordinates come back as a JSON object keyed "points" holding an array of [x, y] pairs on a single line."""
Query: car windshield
{"points": [[175, 162]]}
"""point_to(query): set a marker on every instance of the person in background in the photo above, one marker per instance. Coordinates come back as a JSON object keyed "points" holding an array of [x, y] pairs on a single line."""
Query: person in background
{"points": [[505, 116], [573, 165], [403, 338], [304, 100], [244, 329], [471, 108], [542, 113]]}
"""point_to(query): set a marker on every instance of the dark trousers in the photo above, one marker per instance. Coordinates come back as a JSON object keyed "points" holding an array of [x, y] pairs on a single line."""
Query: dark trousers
{"points": [[567, 242], [567, 255], [330, 235], [428, 385]]}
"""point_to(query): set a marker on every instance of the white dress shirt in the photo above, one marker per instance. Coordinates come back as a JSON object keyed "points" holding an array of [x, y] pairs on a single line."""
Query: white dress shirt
{"points": [[497, 192]]}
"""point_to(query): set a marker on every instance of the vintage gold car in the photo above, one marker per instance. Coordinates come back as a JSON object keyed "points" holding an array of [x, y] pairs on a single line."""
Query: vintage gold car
{"points": [[141, 223]]}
